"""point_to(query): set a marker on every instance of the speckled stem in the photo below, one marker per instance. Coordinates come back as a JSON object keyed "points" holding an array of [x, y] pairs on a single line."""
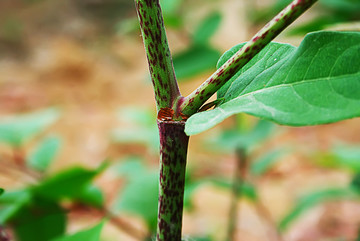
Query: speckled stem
{"points": [[173, 150], [196, 99], [157, 52]]}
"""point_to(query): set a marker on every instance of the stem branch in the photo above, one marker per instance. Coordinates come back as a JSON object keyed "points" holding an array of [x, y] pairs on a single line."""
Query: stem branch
{"points": [[196, 99], [157, 52]]}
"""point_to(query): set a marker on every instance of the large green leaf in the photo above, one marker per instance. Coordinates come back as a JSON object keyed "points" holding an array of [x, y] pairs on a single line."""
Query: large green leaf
{"points": [[44, 154], [92, 234], [18, 129], [316, 83]]}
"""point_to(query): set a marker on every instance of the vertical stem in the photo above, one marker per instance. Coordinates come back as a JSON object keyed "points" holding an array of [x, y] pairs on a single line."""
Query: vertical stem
{"points": [[173, 150], [157, 52], [238, 181]]}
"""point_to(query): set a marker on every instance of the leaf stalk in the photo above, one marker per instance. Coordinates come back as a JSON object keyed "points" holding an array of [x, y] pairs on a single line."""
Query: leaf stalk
{"points": [[198, 97]]}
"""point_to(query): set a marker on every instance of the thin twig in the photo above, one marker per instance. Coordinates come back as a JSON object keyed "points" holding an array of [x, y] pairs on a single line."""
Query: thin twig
{"points": [[124, 226], [238, 182]]}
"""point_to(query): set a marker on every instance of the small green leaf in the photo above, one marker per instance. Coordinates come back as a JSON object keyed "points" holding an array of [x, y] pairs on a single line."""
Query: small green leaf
{"points": [[265, 162], [16, 130], [195, 60], [91, 195], [190, 190], [316, 83], [140, 128], [11, 202], [207, 28], [315, 198], [92, 234], [341, 156], [130, 167], [70, 184], [170, 7], [139, 116], [140, 197], [346, 6], [44, 154], [137, 135], [42, 220], [231, 139], [355, 182], [246, 189]]}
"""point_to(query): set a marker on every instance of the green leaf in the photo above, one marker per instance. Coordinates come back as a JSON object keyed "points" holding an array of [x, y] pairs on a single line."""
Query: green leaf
{"points": [[355, 182], [265, 162], [341, 156], [139, 116], [16, 130], [140, 128], [342, 5], [11, 202], [309, 201], [246, 189], [195, 60], [44, 154], [70, 184], [140, 197], [170, 7], [41, 220], [231, 139], [92, 234], [1, 191], [137, 135], [130, 167], [207, 28], [190, 189], [316, 83], [91, 195]]}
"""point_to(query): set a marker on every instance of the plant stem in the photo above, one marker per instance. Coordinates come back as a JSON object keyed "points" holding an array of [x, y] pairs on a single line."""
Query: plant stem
{"points": [[238, 181], [196, 99], [157, 52], [264, 213], [173, 150]]}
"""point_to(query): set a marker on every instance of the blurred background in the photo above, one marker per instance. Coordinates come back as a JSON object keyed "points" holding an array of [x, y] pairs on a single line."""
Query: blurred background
{"points": [[79, 142]]}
